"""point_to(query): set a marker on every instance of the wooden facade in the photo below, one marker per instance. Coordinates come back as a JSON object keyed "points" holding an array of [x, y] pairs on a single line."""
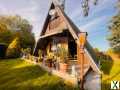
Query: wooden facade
{"points": [[60, 31]]}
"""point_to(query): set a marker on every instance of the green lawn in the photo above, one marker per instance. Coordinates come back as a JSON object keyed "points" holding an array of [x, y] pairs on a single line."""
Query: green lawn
{"points": [[111, 70], [16, 74]]}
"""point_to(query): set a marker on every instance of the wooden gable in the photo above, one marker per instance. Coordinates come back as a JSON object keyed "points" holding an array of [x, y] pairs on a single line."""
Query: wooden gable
{"points": [[55, 21]]}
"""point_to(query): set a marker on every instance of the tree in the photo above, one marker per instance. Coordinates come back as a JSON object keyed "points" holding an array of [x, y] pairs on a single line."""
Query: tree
{"points": [[96, 50], [6, 37], [24, 29], [27, 38], [114, 37], [15, 26]]}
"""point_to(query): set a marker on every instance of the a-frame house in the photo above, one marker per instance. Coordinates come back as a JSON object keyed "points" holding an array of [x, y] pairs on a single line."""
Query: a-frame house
{"points": [[59, 31]]}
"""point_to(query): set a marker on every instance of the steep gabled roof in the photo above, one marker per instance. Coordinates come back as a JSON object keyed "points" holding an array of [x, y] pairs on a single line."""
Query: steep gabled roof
{"points": [[74, 30]]}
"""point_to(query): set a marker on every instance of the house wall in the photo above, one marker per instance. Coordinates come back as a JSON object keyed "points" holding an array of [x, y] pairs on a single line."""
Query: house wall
{"points": [[92, 81], [61, 41]]}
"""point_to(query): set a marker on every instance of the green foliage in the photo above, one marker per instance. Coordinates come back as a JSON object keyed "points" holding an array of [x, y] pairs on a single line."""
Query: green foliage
{"points": [[26, 51], [40, 55], [96, 50], [6, 37], [13, 49], [114, 37], [110, 50], [27, 39], [26, 36], [15, 26], [50, 55], [102, 55], [63, 54]]}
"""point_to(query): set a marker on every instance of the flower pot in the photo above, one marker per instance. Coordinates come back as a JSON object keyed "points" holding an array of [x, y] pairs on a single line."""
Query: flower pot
{"points": [[63, 67], [50, 63]]}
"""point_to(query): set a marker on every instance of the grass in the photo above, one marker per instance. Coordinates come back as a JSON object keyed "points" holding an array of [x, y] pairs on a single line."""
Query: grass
{"points": [[16, 74], [111, 71]]}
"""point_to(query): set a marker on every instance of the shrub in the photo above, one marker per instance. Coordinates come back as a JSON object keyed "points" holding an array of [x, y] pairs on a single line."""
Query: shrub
{"points": [[103, 56], [63, 53], [26, 52], [40, 55], [13, 49]]}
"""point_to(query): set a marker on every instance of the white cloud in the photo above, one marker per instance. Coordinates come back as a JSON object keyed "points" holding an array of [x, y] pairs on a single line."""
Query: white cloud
{"points": [[93, 23]]}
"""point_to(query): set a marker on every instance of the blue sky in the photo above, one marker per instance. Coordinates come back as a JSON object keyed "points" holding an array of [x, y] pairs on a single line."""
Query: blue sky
{"points": [[96, 24]]}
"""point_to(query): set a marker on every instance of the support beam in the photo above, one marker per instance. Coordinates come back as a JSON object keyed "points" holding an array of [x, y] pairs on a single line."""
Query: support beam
{"points": [[80, 57]]}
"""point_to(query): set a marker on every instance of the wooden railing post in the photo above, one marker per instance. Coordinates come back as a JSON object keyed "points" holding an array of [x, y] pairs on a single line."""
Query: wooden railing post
{"points": [[80, 55]]}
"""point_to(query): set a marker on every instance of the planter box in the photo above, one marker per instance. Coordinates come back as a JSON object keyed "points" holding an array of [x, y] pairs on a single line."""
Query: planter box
{"points": [[63, 67]]}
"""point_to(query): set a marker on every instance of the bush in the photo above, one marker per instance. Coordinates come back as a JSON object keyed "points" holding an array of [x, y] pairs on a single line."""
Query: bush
{"points": [[26, 53], [40, 55], [103, 56], [13, 49]]}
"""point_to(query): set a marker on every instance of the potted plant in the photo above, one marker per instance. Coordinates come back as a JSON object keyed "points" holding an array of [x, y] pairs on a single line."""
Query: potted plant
{"points": [[28, 51], [49, 59], [63, 53], [40, 55]]}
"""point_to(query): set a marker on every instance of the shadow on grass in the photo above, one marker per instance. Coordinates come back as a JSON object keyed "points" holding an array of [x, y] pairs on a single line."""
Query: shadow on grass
{"points": [[32, 78], [59, 85], [13, 77], [29, 77], [9, 63]]}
